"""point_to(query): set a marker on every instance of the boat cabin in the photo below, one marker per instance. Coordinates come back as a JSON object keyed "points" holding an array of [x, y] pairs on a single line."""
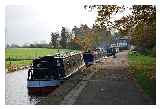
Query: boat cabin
{"points": [[46, 67], [54, 67]]}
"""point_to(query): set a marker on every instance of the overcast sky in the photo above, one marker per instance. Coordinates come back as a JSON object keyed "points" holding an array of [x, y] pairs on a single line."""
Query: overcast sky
{"points": [[33, 22], [28, 21]]}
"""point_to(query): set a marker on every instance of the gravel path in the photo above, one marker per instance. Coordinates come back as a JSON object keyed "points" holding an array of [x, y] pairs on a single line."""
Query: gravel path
{"points": [[112, 85]]}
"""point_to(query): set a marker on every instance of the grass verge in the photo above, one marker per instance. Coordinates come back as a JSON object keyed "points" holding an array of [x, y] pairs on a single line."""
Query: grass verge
{"points": [[144, 70]]}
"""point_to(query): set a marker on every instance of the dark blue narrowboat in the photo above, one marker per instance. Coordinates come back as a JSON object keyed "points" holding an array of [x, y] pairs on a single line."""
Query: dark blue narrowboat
{"points": [[48, 72], [88, 58]]}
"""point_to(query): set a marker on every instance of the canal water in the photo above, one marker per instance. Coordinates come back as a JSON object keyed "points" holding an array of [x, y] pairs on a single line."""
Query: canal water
{"points": [[16, 91]]}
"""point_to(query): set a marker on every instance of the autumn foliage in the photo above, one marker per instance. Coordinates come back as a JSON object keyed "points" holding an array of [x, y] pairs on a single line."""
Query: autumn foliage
{"points": [[85, 42]]}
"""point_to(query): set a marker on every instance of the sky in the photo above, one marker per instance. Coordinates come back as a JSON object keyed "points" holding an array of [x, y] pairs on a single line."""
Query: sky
{"points": [[33, 23]]}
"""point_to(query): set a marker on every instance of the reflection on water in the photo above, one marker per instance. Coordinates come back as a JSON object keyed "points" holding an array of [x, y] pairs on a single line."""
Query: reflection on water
{"points": [[16, 91]]}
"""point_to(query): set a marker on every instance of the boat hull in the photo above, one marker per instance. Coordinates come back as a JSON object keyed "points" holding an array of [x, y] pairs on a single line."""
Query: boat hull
{"points": [[41, 90], [42, 86]]}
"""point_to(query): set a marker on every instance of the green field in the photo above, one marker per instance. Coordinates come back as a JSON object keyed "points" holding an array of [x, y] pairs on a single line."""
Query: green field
{"points": [[30, 52], [23, 56], [144, 70]]}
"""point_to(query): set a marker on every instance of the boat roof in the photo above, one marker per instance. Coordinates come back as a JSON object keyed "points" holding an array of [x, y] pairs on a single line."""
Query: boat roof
{"points": [[59, 55]]}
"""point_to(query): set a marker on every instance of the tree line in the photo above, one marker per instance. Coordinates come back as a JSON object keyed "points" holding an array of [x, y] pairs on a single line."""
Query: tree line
{"points": [[82, 38], [140, 24], [32, 45], [79, 38]]}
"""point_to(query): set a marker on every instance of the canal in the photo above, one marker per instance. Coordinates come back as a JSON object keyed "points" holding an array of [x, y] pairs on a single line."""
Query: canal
{"points": [[16, 91]]}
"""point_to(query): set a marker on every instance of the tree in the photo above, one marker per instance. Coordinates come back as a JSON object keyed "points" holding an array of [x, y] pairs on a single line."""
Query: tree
{"points": [[75, 43], [105, 13], [81, 39], [81, 30], [64, 37], [54, 40], [87, 42], [68, 37], [140, 24], [145, 17], [77, 31]]}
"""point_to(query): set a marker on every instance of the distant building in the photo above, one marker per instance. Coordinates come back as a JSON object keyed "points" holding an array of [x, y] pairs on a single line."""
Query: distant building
{"points": [[122, 42]]}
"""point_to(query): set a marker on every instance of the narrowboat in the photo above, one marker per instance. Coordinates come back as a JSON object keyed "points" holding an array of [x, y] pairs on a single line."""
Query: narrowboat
{"points": [[88, 58], [48, 72]]}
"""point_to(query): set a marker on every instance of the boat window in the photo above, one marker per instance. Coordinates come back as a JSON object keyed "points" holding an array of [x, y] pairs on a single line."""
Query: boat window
{"points": [[43, 64]]}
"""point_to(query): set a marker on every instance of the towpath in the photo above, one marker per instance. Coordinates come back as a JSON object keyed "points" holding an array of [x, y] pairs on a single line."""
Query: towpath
{"points": [[107, 82]]}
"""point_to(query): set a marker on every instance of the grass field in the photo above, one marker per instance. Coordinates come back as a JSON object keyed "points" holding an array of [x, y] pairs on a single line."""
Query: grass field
{"points": [[18, 57], [144, 69], [30, 52]]}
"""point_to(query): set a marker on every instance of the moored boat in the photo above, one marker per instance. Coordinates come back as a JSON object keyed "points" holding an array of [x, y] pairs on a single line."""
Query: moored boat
{"points": [[48, 72]]}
